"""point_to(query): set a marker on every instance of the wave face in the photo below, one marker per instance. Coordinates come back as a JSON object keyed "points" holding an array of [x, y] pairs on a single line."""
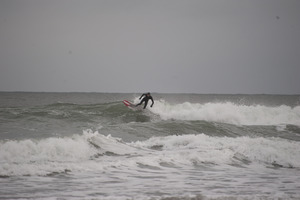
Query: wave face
{"points": [[184, 147]]}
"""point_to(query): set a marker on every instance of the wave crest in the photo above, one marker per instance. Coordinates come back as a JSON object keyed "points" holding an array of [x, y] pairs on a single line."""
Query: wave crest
{"points": [[229, 113]]}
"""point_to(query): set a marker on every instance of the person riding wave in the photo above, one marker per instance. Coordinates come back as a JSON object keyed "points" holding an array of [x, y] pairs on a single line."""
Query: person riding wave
{"points": [[146, 98]]}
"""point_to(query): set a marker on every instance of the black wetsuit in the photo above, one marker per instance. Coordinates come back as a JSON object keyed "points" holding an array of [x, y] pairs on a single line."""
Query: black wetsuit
{"points": [[146, 99]]}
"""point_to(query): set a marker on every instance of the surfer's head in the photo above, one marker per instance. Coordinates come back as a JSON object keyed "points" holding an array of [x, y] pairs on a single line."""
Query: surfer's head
{"points": [[148, 94]]}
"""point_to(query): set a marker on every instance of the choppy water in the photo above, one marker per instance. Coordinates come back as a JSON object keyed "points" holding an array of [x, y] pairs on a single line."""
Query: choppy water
{"points": [[188, 146]]}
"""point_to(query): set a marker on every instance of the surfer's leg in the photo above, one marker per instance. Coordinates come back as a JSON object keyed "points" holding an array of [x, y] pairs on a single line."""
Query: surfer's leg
{"points": [[146, 102], [140, 103]]}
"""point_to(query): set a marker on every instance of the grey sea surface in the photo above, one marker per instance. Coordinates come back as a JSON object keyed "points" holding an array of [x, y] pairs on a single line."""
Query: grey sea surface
{"points": [[187, 146]]}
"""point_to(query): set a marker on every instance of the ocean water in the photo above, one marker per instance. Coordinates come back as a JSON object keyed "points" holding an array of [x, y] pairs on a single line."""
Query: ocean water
{"points": [[187, 146]]}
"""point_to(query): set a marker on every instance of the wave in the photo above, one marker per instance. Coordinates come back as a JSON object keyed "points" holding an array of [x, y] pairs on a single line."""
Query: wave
{"points": [[229, 113], [116, 113], [93, 151], [164, 118]]}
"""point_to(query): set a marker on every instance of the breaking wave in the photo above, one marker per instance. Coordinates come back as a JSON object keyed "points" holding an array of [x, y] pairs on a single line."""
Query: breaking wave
{"points": [[94, 151], [229, 113]]}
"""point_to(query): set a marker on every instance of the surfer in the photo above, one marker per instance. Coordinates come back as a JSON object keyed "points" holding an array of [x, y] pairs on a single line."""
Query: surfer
{"points": [[146, 98]]}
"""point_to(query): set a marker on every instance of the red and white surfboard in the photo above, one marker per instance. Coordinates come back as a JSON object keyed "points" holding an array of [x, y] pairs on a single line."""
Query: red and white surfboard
{"points": [[127, 103]]}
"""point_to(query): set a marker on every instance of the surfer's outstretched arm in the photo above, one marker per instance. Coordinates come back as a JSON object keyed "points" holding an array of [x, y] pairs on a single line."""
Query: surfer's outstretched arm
{"points": [[152, 101]]}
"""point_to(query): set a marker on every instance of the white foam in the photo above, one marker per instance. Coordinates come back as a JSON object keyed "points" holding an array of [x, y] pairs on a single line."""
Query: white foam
{"points": [[201, 148], [111, 144], [86, 153], [27, 157], [58, 155], [228, 113]]}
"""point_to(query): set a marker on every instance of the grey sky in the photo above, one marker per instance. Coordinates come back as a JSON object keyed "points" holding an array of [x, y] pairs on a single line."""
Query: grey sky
{"points": [[198, 46]]}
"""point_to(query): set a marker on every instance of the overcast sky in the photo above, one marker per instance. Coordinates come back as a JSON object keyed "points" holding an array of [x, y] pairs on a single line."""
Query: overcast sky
{"points": [[181, 46]]}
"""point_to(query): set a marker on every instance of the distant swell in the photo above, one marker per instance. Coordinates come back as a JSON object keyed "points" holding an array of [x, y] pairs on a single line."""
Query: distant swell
{"points": [[229, 113]]}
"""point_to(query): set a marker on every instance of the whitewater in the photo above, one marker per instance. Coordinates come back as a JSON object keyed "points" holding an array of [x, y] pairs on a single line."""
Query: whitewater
{"points": [[187, 146]]}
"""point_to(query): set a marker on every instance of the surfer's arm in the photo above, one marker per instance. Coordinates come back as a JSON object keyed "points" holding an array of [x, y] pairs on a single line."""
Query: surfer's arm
{"points": [[152, 101], [142, 95]]}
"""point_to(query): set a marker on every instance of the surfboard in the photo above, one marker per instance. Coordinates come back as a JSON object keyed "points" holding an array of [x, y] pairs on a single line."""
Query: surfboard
{"points": [[128, 104]]}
